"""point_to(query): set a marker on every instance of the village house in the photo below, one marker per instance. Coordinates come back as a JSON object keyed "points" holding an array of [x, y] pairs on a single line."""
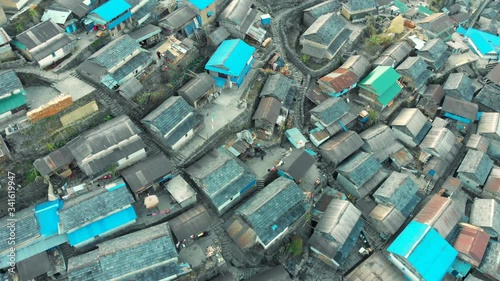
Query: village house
{"points": [[488, 98], [62, 17], [147, 35], [490, 264], [277, 273], [443, 214], [438, 142], [489, 127], [114, 144], [58, 161], [37, 236], [338, 82], [12, 94], [410, 126], [311, 14], [435, 53], [181, 21], [484, 44], [112, 16], [116, 63], [142, 255], [358, 64], [460, 110], [471, 244], [277, 86], [325, 37], [485, 213], [360, 174], [380, 87], [478, 142], [181, 191], [193, 221], [78, 8], [198, 91], [474, 170], [394, 54], [381, 141], [438, 25], [387, 220], [336, 232], [491, 188], [436, 167], [230, 63], [266, 115], [6, 52], [272, 212], [296, 165], [420, 253], [397, 190], [401, 159], [340, 147], [493, 77], [147, 174], [45, 43], [414, 73], [358, 10], [96, 214], [243, 20], [376, 266], [204, 9], [222, 178], [218, 36], [13, 5], [174, 122], [430, 99], [459, 85]]}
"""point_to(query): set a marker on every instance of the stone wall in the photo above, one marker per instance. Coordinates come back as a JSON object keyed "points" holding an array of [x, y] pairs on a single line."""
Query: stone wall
{"points": [[85, 53], [18, 62]]}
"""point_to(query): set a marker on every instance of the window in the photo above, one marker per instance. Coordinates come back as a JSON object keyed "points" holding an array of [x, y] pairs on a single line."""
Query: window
{"points": [[209, 14], [53, 55]]}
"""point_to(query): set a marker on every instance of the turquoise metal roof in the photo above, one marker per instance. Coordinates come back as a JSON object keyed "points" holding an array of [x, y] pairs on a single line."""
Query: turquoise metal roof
{"points": [[484, 42], [422, 246], [111, 9], [47, 217], [231, 57], [201, 4]]}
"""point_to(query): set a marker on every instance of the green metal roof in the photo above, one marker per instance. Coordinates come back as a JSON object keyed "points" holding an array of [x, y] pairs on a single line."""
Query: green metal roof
{"points": [[14, 101], [382, 81], [389, 94], [401, 6], [424, 10]]}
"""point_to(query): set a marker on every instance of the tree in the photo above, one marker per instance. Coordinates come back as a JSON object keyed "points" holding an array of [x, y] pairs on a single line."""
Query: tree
{"points": [[295, 246], [372, 116], [305, 58], [50, 147]]}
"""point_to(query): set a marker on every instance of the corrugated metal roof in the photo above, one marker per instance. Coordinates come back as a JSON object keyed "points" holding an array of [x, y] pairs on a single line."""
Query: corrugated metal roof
{"points": [[192, 221], [338, 80], [39, 34], [231, 57], [358, 64], [412, 119], [471, 244], [485, 213], [438, 142], [459, 85], [375, 268], [425, 250], [269, 109], [489, 124], [397, 190], [111, 9], [178, 18], [218, 35], [394, 54], [493, 183], [196, 88], [434, 91], [442, 213], [54, 161], [476, 163], [240, 232], [338, 220], [478, 142], [452, 184], [341, 146], [380, 140], [459, 107], [391, 218], [401, 158], [330, 110], [201, 4], [147, 172]]}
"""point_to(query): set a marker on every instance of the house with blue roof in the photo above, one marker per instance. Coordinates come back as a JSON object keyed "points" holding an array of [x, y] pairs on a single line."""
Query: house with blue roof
{"points": [[222, 178], [204, 9], [36, 232], [111, 16], [484, 44], [230, 63], [96, 214], [272, 213], [421, 253]]}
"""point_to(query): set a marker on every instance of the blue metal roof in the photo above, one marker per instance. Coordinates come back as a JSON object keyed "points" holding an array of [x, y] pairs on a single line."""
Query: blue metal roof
{"points": [[201, 4], [47, 217], [485, 42], [422, 246], [111, 9], [102, 226], [231, 57]]}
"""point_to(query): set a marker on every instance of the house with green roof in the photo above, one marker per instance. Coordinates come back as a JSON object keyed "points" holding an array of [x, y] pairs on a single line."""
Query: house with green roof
{"points": [[381, 86], [12, 94]]}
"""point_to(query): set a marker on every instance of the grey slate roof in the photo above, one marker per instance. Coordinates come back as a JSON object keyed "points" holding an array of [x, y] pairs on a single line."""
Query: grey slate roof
{"points": [[274, 209], [360, 167], [397, 190], [341, 146], [9, 82], [269, 109], [34, 266], [380, 140], [484, 213], [439, 23], [360, 5], [178, 18], [55, 160], [102, 137], [435, 52], [489, 97], [77, 7], [26, 228], [193, 221], [144, 32], [218, 35], [297, 164], [277, 86], [325, 29], [173, 118], [459, 86], [115, 52], [141, 59], [148, 255], [320, 9], [236, 11], [330, 110], [147, 172], [435, 92], [197, 87], [416, 69], [394, 54], [39, 34], [494, 75], [490, 263], [93, 206], [477, 163], [460, 107]]}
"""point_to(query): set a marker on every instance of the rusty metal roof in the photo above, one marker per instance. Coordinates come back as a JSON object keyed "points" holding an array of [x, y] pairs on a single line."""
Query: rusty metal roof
{"points": [[339, 80], [493, 182], [471, 244]]}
